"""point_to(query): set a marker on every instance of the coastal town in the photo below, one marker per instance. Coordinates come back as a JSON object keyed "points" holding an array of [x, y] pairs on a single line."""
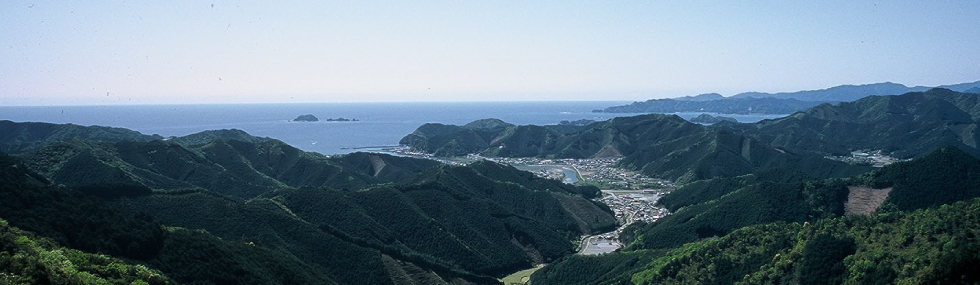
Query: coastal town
{"points": [[632, 196], [599, 172]]}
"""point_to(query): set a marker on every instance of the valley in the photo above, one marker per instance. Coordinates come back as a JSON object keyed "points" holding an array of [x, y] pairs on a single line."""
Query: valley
{"points": [[630, 195]]}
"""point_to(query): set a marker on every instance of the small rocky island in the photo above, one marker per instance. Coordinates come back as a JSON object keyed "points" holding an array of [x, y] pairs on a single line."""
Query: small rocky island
{"points": [[312, 118], [306, 118], [341, 120]]}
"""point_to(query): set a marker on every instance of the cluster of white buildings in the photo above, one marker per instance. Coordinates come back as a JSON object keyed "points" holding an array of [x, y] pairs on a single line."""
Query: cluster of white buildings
{"points": [[633, 206], [873, 158]]}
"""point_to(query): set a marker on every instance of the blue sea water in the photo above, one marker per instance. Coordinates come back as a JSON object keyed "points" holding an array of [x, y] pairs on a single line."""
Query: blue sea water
{"points": [[380, 124]]}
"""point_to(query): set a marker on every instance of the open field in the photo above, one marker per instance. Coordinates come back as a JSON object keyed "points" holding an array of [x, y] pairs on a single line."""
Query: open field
{"points": [[520, 277]]}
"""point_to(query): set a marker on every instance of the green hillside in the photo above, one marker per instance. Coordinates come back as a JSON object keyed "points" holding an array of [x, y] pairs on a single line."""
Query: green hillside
{"points": [[86, 223], [930, 246], [908, 125], [26, 258]]}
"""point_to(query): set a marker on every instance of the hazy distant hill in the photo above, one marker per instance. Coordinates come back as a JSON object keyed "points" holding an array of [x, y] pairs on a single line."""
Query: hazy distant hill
{"points": [[843, 93], [728, 105], [701, 97], [773, 103]]}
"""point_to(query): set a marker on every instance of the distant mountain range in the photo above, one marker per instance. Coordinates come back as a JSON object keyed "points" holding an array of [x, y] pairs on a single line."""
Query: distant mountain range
{"points": [[775, 103]]}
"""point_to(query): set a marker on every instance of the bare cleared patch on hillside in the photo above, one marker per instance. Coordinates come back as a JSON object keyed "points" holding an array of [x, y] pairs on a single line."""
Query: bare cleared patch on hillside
{"points": [[402, 272], [864, 200], [609, 151], [377, 164]]}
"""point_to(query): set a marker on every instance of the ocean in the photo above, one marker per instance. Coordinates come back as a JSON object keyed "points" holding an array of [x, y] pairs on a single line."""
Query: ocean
{"points": [[378, 125]]}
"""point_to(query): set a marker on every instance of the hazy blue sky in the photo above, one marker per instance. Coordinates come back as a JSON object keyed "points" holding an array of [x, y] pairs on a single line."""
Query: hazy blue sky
{"points": [[149, 52]]}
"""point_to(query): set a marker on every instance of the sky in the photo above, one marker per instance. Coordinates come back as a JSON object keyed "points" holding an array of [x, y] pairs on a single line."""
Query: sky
{"points": [[191, 52]]}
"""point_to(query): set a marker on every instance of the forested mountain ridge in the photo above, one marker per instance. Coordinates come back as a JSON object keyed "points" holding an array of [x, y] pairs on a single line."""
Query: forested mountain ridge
{"points": [[19, 137], [788, 228], [348, 219], [907, 125], [658, 145], [240, 168]]}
